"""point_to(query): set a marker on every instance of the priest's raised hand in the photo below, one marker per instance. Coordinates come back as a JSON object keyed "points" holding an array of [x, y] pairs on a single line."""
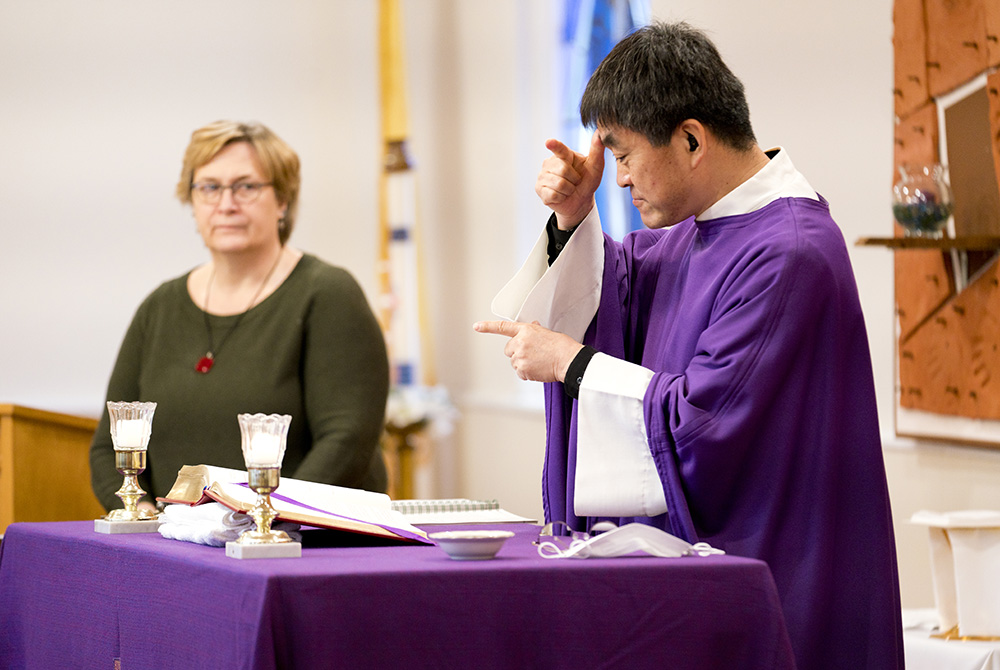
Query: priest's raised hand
{"points": [[567, 181]]}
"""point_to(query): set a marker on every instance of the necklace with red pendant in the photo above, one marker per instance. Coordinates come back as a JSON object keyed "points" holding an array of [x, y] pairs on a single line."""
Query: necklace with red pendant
{"points": [[205, 363]]}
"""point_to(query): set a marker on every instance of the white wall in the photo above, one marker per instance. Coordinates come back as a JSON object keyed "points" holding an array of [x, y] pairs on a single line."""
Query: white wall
{"points": [[99, 100]]}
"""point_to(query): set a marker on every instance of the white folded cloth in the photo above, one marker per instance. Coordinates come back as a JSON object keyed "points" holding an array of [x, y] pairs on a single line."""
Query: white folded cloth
{"points": [[965, 550], [213, 524]]}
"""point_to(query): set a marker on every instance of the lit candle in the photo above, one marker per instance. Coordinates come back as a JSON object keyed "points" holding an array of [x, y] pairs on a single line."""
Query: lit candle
{"points": [[130, 434], [264, 450]]}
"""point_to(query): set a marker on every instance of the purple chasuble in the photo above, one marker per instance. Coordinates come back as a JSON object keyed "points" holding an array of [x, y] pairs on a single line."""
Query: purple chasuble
{"points": [[761, 415]]}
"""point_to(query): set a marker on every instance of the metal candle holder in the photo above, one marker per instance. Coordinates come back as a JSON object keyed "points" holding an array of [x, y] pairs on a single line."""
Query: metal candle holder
{"points": [[131, 427], [263, 441]]}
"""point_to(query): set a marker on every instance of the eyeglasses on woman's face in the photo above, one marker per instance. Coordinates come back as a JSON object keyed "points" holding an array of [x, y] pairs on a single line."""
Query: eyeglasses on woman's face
{"points": [[244, 192]]}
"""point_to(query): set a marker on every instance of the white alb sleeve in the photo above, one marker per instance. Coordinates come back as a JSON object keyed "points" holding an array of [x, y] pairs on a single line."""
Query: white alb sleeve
{"points": [[615, 472], [564, 296]]}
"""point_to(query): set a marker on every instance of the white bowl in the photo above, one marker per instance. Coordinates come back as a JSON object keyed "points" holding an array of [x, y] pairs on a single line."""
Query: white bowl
{"points": [[471, 545]]}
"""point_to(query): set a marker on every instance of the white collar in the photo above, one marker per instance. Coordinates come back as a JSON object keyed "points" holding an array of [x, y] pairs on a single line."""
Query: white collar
{"points": [[777, 179]]}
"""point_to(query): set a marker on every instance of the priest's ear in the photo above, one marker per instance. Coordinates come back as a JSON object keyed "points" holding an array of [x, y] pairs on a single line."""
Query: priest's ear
{"points": [[692, 137]]}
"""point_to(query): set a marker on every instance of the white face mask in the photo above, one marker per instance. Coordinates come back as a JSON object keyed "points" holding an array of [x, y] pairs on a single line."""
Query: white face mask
{"points": [[629, 539]]}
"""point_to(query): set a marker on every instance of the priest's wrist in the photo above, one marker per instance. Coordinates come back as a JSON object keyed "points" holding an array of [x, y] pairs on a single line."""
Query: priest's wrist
{"points": [[576, 370], [557, 238], [572, 220]]}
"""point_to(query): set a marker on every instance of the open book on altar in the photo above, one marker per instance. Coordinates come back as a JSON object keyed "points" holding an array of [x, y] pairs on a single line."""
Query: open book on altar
{"points": [[297, 501]]}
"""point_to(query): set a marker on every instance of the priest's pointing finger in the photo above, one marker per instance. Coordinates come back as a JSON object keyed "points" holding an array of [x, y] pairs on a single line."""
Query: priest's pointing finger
{"points": [[508, 328]]}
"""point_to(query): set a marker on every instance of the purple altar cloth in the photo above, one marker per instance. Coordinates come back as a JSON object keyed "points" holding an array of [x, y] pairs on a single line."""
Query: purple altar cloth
{"points": [[73, 598]]}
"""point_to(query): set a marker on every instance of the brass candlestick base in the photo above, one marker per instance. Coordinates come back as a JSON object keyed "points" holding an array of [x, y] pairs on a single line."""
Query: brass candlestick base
{"points": [[263, 480], [129, 464]]}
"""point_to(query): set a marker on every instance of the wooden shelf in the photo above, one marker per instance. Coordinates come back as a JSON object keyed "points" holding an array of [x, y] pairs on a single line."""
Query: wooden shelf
{"points": [[968, 243]]}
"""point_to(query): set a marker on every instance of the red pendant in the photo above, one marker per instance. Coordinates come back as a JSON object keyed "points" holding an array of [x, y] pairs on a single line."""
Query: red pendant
{"points": [[205, 364]]}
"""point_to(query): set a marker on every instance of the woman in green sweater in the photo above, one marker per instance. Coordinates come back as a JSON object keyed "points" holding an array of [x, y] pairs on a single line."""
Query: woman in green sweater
{"points": [[260, 327]]}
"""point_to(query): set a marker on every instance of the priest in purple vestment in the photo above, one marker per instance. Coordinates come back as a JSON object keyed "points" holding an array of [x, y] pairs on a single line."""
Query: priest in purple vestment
{"points": [[709, 375]]}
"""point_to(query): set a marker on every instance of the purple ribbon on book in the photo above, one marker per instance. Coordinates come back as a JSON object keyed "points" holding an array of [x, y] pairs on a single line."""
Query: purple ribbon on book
{"points": [[398, 531]]}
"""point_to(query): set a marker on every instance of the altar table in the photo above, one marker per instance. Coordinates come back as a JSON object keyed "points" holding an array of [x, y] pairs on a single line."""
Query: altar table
{"points": [[73, 598], [925, 652]]}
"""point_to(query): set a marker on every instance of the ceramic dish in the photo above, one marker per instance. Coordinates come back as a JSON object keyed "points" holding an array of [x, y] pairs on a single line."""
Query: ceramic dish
{"points": [[471, 545]]}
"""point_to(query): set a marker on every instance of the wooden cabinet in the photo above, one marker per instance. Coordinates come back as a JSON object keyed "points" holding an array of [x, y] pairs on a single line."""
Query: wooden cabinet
{"points": [[45, 467]]}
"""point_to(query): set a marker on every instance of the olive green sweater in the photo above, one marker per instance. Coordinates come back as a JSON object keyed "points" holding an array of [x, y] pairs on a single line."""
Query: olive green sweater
{"points": [[312, 349]]}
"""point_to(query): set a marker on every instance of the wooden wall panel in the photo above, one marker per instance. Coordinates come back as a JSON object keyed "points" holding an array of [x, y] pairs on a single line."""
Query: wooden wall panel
{"points": [[916, 138], [951, 364], [991, 10], [923, 278], [993, 93], [970, 165], [949, 340], [956, 42], [909, 39]]}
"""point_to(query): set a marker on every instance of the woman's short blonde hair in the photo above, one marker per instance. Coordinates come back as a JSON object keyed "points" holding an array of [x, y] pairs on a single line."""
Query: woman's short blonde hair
{"points": [[279, 162]]}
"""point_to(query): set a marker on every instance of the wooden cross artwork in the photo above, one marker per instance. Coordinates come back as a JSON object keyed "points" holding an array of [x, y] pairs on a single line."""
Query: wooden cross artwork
{"points": [[947, 108]]}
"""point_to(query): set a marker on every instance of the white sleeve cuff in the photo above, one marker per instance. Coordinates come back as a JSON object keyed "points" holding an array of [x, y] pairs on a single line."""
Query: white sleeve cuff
{"points": [[615, 472], [565, 296]]}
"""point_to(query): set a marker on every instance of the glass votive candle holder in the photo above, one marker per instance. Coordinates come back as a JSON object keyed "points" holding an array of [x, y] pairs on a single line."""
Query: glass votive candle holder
{"points": [[263, 438], [131, 428]]}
